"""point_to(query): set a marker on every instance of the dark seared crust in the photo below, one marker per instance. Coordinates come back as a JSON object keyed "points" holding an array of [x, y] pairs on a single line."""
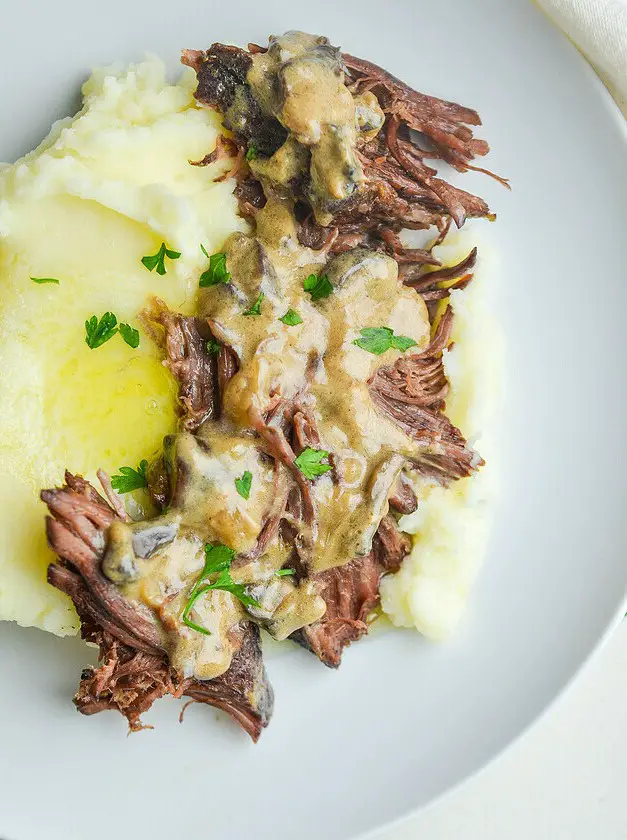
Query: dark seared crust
{"points": [[221, 72]]}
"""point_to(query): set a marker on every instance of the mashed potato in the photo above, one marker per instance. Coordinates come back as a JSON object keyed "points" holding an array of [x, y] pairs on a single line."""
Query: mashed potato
{"points": [[102, 191], [450, 527]]}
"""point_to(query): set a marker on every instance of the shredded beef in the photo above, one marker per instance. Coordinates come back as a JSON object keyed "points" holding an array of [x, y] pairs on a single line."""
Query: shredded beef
{"points": [[401, 190], [76, 533], [390, 546], [221, 72], [351, 592], [184, 339], [133, 670], [403, 498]]}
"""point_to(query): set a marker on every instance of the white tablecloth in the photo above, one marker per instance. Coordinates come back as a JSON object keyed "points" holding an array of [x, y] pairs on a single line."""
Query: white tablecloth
{"points": [[564, 781]]}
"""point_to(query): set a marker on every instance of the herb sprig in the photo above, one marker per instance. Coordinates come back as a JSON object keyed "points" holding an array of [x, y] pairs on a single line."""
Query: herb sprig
{"points": [[243, 484], [291, 318], [379, 339], [216, 273], [310, 462], [318, 286], [218, 559], [130, 335], [158, 260], [130, 479], [255, 309], [41, 280], [99, 331]]}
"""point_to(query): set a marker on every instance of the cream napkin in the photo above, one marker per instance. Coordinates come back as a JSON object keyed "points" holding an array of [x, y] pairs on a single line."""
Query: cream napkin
{"points": [[599, 29]]}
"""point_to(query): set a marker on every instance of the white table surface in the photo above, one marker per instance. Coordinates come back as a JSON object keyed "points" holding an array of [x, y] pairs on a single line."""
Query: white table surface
{"points": [[565, 780]]}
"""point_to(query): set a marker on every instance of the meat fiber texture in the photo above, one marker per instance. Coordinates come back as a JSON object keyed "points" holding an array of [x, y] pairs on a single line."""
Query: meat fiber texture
{"points": [[451, 526], [104, 189]]}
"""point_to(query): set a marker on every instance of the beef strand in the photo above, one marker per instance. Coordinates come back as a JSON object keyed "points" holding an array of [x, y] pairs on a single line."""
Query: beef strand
{"points": [[184, 340], [133, 670]]}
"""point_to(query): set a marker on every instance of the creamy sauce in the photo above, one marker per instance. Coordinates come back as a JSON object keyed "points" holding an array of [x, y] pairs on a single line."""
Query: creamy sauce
{"points": [[300, 81], [158, 562], [313, 366]]}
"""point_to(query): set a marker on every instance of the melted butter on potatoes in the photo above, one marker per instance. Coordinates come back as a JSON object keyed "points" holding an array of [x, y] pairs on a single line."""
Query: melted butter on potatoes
{"points": [[102, 191]]}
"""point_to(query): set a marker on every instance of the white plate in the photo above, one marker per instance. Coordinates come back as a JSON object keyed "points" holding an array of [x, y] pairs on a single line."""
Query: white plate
{"points": [[403, 720]]}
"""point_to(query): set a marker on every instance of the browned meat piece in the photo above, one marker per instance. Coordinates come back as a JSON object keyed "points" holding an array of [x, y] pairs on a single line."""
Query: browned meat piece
{"points": [[429, 282], [401, 190], [418, 379], [351, 593], [226, 149], [403, 498], [250, 197], [129, 681], [76, 533], [390, 546], [228, 365], [133, 670], [244, 692], [221, 72], [411, 393], [446, 456], [184, 340], [158, 482]]}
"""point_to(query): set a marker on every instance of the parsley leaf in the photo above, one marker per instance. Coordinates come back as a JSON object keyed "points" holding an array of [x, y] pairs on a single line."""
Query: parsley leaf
{"points": [[251, 153], [97, 332], [379, 339], [216, 273], [242, 485], [255, 309], [213, 347], [130, 335], [130, 479], [309, 462], [218, 559], [285, 572], [317, 286], [158, 260], [291, 318], [45, 280]]}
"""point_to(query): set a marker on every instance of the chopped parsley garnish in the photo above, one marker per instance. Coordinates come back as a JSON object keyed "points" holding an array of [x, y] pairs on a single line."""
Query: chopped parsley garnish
{"points": [[130, 335], [216, 273], [379, 339], [242, 485], [158, 260], [291, 318], [309, 462], [255, 309], [218, 559], [130, 479], [285, 572], [45, 280], [97, 332], [251, 153], [318, 286], [213, 348]]}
